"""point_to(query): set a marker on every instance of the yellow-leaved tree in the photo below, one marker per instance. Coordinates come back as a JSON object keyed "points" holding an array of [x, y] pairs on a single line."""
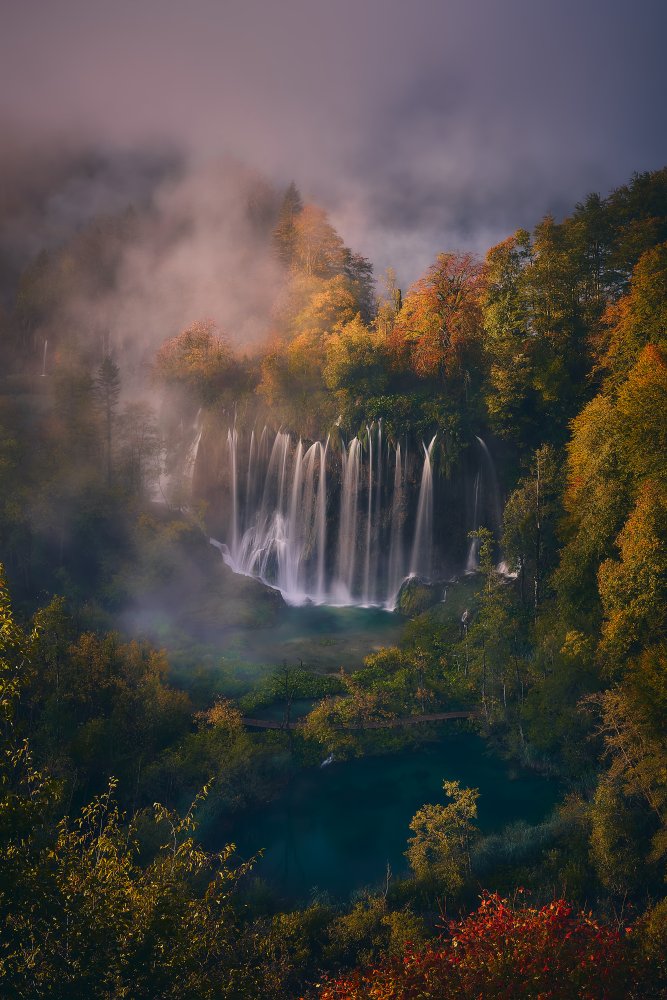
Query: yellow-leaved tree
{"points": [[439, 851]]}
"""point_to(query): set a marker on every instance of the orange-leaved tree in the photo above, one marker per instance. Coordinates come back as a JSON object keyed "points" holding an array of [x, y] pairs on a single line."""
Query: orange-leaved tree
{"points": [[438, 330]]}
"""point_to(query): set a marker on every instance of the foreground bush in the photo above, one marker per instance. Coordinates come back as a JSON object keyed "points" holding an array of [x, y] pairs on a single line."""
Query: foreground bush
{"points": [[504, 951]]}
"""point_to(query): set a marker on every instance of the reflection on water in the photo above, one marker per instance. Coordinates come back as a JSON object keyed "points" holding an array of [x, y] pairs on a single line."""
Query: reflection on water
{"points": [[338, 827]]}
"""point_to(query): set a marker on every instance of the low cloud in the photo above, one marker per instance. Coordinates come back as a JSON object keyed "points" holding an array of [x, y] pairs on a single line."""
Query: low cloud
{"points": [[419, 127]]}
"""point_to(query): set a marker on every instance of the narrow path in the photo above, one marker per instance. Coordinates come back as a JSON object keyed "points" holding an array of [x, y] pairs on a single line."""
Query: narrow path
{"points": [[408, 720]]}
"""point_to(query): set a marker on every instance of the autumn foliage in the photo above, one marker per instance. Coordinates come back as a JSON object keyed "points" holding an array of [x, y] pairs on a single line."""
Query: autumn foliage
{"points": [[439, 327], [200, 359], [503, 951]]}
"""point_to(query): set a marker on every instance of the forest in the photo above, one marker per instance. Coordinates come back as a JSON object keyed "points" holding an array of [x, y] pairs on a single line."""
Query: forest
{"points": [[238, 547]]}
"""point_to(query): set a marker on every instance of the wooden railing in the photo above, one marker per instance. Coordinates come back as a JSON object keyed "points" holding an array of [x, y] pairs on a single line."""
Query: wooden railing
{"points": [[408, 720]]}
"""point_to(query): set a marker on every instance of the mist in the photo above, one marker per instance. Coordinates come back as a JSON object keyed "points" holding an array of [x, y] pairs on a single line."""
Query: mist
{"points": [[198, 252], [189, 241], [437, 127]]}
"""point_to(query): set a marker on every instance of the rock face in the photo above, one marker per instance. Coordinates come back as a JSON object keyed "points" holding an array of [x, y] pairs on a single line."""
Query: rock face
{"points": [[417, 596]]}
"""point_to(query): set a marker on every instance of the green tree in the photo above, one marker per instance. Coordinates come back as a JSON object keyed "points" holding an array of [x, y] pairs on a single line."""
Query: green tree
{"points": [[356, 367], [285, 234], [439, 851], [511, 399], [590, 231], [359, 272], [494, 639], [596, 501], [107, 384], [616, 839], [529, 532], [389, 304], [641, 407], [138, 447], [628, 814]]}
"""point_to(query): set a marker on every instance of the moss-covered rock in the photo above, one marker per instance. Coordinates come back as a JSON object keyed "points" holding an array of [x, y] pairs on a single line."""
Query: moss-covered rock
{"points": [[416, 596]]}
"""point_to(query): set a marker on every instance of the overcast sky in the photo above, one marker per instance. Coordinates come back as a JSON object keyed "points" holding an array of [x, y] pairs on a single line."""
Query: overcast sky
{"points": [[421, 126]]}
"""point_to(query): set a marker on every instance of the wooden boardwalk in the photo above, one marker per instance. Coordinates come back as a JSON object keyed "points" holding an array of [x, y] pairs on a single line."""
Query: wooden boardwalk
{"points": [[408, 720]]}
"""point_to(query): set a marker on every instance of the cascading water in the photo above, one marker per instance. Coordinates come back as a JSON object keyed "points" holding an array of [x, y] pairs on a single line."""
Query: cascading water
{"points": [[487, 508], [422, 547], [395, 571], [493, 488], [339, 524], [292, 553], [377, 523], [322, 525], [369, 520], [232, 440], [472, 562], [250, 480], [348, 529], [193, 450]]}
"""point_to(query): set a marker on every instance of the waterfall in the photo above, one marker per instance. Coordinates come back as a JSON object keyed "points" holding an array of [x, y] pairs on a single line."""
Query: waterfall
{"points": [[232, 441], [422, 547], [347, 532], [263, 449], [378, 525], [46, 344], [273, 483], [289, 524], [306, 528], [369, 518], [321, 521], [250, 482], [193, 450], [289, 551], [472, 562], [396, 571], [496, 502], [322, 524]]}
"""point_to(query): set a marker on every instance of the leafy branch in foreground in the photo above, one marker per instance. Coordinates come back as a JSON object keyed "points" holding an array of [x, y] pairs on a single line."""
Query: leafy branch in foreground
{"points": [[97, 906]]}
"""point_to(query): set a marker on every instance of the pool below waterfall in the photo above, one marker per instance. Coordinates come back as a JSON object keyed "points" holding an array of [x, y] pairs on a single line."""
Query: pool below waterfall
{"points": [[337, 828]]}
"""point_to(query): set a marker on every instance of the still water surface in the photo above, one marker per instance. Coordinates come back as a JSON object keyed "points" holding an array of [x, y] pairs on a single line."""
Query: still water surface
{"points": [[337, 827]]}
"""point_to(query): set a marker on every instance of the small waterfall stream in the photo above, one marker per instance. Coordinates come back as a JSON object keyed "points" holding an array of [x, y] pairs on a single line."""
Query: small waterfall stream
{"points": [[422, 547], [493, 489], [472, 562], [369, 521], [395, 570], [349, 526], [193, 450]]}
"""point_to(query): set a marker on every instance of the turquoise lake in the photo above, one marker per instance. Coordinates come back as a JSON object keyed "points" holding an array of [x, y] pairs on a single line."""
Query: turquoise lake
{"points": [[336, 828]]}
